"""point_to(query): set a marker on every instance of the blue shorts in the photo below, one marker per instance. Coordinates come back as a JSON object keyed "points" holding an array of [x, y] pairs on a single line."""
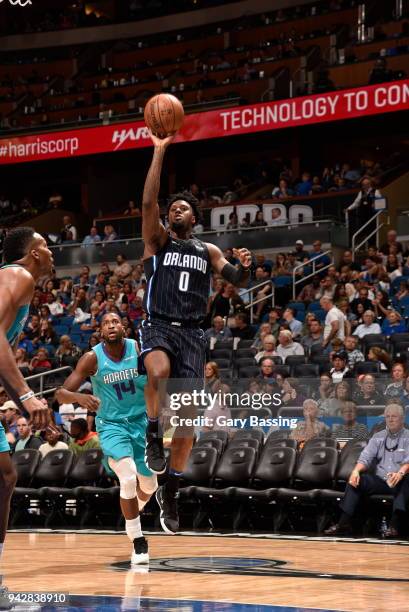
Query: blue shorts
{"points": [[4, 445], [126, 438]]}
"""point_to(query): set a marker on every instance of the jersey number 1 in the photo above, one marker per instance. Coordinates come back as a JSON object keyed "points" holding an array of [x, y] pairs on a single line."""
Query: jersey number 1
{"points": [[184, 281], [124, 387]]}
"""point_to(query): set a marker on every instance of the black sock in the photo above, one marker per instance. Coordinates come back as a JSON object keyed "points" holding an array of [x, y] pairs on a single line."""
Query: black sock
{"points": [[172, 483], [153, 425], [396, 519]]}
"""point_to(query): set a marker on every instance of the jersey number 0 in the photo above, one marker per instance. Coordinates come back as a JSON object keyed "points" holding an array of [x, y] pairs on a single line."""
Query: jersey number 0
{"points": [[184, 281]]}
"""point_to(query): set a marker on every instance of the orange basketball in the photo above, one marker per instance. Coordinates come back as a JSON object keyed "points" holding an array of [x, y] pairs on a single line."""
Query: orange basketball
{"points": [[164, 115]]}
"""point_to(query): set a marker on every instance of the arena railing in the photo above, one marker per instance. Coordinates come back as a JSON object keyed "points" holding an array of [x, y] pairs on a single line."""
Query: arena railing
{"points": [[355, 247], [255, 239], [314, 272], [42, 375], [253, 301]]}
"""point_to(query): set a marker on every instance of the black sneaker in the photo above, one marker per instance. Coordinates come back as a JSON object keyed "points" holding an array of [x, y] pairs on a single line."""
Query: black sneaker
{"points": [[5, 602], [140, 554], [154, 453], [168, 504]]}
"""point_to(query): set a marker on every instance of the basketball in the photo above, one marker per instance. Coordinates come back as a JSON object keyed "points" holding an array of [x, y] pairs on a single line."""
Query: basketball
{"points": [[164, 114]]}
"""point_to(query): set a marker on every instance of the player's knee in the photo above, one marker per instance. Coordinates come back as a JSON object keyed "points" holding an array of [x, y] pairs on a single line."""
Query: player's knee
{"points": [[148, 484], [125, 469], [157, 366]]}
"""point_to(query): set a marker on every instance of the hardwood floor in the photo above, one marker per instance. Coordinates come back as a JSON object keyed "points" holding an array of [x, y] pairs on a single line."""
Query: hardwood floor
{"points": [[81, 564]]}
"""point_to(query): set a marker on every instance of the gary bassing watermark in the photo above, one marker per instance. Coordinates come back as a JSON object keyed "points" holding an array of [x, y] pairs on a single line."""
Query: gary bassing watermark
{"points": [[219, 400]]}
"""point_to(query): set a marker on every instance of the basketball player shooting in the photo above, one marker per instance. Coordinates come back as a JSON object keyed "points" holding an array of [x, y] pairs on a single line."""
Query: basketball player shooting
{"points": [[26, 258], [178, 268]]}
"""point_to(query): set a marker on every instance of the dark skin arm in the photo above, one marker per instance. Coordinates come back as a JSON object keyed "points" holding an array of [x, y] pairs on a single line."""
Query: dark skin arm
{"points": [[16, 289], [154, 234], [67, 394], [218, 262]]}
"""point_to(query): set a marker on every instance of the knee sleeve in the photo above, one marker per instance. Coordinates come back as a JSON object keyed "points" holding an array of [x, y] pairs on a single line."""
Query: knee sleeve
{"points": [[125, 469], [148, 484]]}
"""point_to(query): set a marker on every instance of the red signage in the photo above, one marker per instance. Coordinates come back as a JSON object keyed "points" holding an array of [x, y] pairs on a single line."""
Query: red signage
{"points": [[334, 106]]}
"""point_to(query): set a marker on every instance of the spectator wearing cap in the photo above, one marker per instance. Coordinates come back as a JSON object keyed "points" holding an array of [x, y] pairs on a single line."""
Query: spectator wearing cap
{"points": [[340, 369], [368, 326], [287, 346], [294, 325], [368, 394], [26, 439], [300, 254], [393, 324], [12, 414]]}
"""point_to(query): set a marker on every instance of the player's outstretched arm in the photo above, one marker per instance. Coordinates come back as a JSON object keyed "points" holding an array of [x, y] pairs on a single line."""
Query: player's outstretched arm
{"points": [[67, 394], [18, 292], [238, 276], [153, 232]]}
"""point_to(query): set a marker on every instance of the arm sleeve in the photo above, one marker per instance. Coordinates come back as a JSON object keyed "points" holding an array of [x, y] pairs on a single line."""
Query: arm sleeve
{"points": [[369, 452]]}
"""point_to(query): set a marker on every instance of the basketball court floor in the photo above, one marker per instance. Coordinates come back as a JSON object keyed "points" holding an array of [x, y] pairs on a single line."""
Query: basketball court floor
{"points": [[206, 573]]}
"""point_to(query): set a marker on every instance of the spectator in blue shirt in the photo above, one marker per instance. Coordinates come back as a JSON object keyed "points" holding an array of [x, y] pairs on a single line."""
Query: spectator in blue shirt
{"points": [[393, 324], [304, 188], [92, 237], [25, 343], [294, 325], [322, 261]]}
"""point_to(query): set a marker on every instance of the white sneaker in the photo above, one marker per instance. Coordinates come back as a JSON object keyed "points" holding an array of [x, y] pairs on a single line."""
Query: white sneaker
{"points": [[140, 554]]}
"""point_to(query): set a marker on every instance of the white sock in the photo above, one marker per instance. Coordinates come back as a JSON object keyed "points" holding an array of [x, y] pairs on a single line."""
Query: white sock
{"points": [[133, 528], [141, 503]]}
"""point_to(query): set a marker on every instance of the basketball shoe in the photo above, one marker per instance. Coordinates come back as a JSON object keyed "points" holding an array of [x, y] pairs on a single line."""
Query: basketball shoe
{"points": [[140, 554], [154, 453], [168, 504]]}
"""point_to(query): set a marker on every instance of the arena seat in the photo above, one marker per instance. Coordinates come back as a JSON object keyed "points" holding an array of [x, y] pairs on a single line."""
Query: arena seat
{"points": [[53, 470], [306, 370], [221, 353], [367, 367], [215, 443], [26, 462], [317, 468], [279, 442], [86, 470], [274, 469], [245, 434]]}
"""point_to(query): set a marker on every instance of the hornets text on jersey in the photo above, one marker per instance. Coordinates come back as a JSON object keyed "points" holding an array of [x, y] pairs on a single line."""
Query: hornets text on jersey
{"points": [[118, 385], [178, 281]]}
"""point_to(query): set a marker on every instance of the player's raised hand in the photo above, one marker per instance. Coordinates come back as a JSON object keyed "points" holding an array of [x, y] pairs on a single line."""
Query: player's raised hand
{"points": [[244, 257], [161, 143], [90, 402]]}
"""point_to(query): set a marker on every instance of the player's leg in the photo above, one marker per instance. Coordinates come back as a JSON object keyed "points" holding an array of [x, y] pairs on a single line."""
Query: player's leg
{"points": [[8, 478], [125, 470], [157, 365], [189, 370]]}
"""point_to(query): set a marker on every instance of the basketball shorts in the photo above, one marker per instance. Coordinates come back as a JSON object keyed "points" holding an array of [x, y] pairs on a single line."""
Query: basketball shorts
{"points": [[186, 347], [4, 445], [124, 438]]}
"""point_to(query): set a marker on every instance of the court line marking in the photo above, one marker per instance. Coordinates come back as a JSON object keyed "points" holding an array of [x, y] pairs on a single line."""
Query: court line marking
{"points": [[207, 534], [245, 603]]}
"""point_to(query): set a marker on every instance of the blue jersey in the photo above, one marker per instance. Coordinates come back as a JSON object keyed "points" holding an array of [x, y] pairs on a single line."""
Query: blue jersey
{"points": [[118, 385], [20, 319]]}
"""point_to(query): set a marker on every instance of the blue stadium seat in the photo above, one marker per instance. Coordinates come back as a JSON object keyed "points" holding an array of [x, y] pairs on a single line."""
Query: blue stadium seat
{"points": [[283, 281], [61, 330], [314, 306]]}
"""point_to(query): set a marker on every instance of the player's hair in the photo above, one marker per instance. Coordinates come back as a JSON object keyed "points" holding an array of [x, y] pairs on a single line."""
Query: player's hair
{"points": [[104, 316], [188, 197], [16, 244]]}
